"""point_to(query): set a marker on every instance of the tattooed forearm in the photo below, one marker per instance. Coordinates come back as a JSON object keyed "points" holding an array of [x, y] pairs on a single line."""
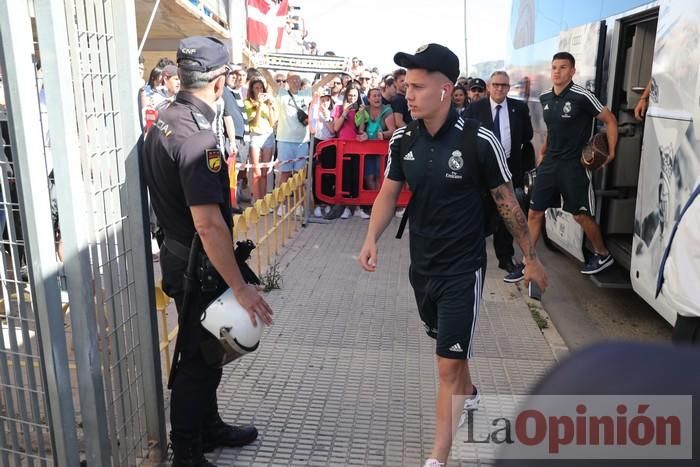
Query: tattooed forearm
{"points": [[513, 218]]}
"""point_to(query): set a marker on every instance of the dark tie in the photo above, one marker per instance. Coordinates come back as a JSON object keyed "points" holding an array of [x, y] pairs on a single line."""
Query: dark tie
{"points": [[497, 122]]}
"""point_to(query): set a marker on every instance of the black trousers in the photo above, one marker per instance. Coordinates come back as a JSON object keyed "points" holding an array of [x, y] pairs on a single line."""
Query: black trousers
{"points": [[503, 242], [193, 404]]}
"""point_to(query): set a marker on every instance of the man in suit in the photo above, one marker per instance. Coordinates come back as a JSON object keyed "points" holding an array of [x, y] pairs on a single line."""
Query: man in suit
{"points": [[509, 119]]}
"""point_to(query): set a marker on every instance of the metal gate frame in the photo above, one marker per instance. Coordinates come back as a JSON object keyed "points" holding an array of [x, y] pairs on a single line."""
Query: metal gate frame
{"points": [[61, 43]]}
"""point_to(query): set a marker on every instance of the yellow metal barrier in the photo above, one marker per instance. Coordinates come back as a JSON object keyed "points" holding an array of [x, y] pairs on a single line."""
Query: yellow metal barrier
{"points": [[262, 224]]}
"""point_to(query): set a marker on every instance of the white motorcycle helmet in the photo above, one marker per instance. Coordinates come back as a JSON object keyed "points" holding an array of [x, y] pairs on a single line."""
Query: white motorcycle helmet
{"points": [[230, 323]]}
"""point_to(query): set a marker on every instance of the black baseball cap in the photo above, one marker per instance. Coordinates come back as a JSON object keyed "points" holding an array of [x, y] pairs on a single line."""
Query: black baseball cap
{"points": [[208, 53], [431, 57], [477, 83]]}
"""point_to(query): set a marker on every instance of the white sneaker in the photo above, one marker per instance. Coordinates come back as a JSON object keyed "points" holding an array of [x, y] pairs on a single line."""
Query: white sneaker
{"points": [[318, 212], [326, 210], [346, 214], [399, 212], [281, 210], [433, 463], [469, 404], [361, 212], [299, 211]]}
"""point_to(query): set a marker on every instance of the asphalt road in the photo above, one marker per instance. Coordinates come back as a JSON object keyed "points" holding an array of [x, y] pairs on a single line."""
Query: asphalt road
{"points": [[585, 314]]}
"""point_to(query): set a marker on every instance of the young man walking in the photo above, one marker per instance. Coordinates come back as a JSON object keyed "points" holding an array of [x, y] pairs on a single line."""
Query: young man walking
{"points": [[447, 247]]}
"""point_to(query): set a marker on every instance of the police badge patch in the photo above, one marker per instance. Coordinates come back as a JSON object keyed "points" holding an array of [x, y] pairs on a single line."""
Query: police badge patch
{"points": [[213, 160], [456, 162]]}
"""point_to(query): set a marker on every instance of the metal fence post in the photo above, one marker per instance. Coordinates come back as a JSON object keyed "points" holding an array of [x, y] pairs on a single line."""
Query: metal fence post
{"points": [[123, 17], [16, 56], [58, 82]]}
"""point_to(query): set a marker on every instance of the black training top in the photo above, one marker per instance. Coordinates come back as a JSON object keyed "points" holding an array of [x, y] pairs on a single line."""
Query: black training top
{"points": [[399, 105], [183, 166], [569, 118], [446, 215]]}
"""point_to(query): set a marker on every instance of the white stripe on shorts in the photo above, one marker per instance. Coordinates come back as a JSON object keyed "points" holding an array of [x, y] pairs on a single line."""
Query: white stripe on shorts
{"points": [[477, 305]]}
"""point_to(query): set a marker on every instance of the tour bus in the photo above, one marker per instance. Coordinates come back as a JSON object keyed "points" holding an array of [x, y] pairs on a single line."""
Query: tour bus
{"points": [[619, 45]]}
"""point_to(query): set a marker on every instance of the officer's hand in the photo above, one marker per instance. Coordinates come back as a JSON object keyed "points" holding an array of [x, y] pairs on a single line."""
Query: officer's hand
{"points": [[534, 272], [368, 256], [254, 304]]}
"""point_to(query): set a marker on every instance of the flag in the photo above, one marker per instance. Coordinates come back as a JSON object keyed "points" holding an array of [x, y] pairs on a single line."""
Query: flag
{"points": [[266, 21]]}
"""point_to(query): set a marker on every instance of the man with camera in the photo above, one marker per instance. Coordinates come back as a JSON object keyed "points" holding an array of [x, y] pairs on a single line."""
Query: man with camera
{"points": [[292, 108], [189, 187]]}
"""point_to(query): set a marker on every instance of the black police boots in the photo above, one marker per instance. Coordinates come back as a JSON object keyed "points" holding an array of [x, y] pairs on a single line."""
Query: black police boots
{"points": [[219, 435], [187, 452]]}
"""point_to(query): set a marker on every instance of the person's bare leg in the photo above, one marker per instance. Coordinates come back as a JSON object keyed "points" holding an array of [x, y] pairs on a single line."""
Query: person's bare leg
{"points": [[455, 382], [284, 176], [592, 231], [254, 155], [265, 156], [535, 223]]}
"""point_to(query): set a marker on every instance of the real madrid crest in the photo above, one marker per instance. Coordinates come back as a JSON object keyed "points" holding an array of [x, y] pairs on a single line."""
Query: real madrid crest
{"points": [[456, 162], [421, 48], [567, 107]]}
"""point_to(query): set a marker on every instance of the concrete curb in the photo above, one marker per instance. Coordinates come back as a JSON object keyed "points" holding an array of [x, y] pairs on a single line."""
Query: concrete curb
{"points": [[550, 333]]}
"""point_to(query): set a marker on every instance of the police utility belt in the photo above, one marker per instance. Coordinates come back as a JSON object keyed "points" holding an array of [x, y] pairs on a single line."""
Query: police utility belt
{"points": [[208, 278], [226, 320]]}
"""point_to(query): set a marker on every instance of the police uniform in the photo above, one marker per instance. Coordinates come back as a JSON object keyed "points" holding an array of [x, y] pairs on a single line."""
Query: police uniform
{"points": [[183, 167], [569, 119]]}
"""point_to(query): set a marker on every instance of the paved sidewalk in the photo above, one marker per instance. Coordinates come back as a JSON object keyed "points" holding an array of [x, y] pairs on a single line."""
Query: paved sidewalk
{"points": [[346, 375]]}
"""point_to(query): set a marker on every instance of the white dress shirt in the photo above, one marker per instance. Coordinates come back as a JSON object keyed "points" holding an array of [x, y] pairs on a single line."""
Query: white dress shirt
{"points": [[505, 123]]}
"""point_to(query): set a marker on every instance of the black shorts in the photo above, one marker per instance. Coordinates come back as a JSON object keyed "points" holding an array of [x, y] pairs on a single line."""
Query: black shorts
{"points": [[449, 309], [563, 178]]}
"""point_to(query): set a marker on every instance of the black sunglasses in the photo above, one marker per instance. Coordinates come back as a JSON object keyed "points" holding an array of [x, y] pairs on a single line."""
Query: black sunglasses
{"points": [[281, 80]]}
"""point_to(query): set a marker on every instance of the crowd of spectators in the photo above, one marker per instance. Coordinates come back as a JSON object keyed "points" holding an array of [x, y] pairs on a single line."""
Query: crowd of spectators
{"points": [[260, 124]]}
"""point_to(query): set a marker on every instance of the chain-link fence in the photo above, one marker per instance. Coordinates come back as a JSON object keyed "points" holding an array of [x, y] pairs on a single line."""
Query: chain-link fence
{"points": [[79, 366]]}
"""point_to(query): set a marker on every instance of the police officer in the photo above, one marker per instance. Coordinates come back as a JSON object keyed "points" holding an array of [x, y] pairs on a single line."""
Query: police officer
{"points": [[445, 215], [188, 184]]}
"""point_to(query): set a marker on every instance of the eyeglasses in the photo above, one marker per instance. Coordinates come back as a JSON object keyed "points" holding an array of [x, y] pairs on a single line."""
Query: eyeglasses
{"points": [[281, 81], [365, 79], [500, 85], [335, 83], [225, 74]]}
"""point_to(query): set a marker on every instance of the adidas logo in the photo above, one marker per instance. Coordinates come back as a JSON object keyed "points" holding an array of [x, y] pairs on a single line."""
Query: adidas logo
{"points": [[546, 107], [456, 348], [409, 156]]}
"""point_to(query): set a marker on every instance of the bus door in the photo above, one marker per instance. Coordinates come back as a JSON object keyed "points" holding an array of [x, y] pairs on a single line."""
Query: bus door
{"points": [[670, 157]]}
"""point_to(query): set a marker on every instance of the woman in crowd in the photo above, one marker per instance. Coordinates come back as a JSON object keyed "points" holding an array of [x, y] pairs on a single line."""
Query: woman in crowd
{"points": [[344, 114], [374, 122], [345, 128], [322, 129], [459, 99], [260, 110]]}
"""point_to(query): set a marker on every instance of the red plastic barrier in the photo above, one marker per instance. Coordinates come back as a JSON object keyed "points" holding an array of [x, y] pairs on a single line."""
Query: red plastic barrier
{"points": [[343, 175]]}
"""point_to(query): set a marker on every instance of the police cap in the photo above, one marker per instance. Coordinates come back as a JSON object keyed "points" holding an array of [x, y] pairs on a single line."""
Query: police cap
{"points": [[203, 53], [431, 57]]}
